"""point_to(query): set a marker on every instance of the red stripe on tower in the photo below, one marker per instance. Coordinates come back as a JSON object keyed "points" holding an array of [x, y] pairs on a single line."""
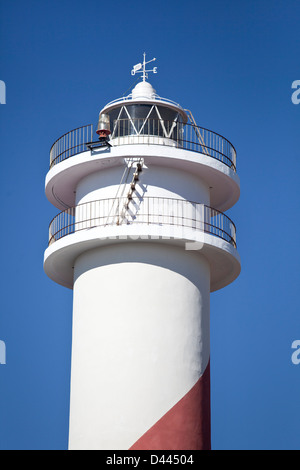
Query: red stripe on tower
{"points": [[186, 426]]}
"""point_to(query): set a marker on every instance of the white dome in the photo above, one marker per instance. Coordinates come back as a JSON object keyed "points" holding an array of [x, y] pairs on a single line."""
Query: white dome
{"points": [[143, 90]]}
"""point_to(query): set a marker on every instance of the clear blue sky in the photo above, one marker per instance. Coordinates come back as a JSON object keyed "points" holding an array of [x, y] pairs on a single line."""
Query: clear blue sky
{"points": [[232, 63]]}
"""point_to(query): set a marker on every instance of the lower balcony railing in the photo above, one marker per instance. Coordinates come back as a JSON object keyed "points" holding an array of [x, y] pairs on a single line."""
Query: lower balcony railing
{"points": [[158, 211]]}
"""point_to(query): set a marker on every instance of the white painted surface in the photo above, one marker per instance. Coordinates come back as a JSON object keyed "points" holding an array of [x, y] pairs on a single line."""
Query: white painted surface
{"points": [[63, 179], [59, 258], [140, 339], [155, 181], [143, 90]]}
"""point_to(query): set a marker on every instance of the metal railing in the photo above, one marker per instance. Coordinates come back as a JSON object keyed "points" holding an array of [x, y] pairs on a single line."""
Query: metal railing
{"points": [[149, 131], [71, 144], [174, 134], [148, 210]]}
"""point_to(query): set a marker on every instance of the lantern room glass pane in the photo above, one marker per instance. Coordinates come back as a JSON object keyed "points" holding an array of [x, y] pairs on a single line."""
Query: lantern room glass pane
{"points": [[145, 119]]}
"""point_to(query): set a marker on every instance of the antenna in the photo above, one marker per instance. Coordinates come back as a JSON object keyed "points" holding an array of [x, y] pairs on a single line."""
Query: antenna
{"points": [[141, 68]]}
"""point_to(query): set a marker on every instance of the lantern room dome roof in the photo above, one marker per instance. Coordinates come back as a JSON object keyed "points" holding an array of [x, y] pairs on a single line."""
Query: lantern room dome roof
{"points": [[143, 90], [144, 93]]}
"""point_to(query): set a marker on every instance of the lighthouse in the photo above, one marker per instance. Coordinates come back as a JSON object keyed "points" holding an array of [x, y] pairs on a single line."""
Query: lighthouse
{"points": [[142, 237]]}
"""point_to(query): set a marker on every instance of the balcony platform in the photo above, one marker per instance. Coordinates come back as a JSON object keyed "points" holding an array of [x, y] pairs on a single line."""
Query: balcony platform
{"points": [[223, 257], [63, 178]]}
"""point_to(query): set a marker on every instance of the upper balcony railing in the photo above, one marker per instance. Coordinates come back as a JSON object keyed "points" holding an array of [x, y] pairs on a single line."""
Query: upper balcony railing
{"points": [[71, 144], [148, 131], [159, 211]]}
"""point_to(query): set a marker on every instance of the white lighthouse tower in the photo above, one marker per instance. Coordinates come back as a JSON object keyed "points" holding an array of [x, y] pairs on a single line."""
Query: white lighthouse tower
{"points": [[142, 239]]}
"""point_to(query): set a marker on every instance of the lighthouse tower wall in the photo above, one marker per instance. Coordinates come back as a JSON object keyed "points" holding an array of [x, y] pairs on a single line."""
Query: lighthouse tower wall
{"points": [[155, 181], [140, 345], [142, 239]]}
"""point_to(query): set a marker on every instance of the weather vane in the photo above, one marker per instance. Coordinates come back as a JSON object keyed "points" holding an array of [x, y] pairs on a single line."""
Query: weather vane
{"points": [[141, 68]]}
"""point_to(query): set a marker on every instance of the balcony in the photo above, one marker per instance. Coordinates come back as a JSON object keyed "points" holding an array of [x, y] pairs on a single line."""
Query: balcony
{"points": [[155, 211], [149, 132]]}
